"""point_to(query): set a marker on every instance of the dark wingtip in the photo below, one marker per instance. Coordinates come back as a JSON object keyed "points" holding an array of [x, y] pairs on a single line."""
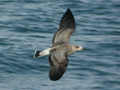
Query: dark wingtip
{"points": [[54, 76], [69, 11], [67, 20], [57, 72]]}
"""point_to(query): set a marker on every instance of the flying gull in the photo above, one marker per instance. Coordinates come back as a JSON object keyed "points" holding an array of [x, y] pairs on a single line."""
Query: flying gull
{"points": [[61, 49]]}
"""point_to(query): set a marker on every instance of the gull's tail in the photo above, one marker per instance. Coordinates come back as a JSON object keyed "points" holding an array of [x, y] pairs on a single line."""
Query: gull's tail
{"points": [[39, 53], [36, 53]]}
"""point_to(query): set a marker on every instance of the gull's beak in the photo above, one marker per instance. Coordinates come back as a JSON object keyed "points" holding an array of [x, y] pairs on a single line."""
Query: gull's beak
{"points": [[80, 48]]}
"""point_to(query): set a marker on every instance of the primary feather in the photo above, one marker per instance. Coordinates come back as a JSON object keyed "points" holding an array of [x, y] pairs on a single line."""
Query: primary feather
{"points": [[58, 57], [66, 28]]}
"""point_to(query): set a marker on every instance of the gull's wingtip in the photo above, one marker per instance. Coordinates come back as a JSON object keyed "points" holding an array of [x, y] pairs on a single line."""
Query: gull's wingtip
{"points": [[68, 10], [67, 20]]}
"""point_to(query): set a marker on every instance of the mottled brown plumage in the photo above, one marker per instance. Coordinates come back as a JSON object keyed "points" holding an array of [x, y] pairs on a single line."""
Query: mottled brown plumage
{"points": [[58, 53], [66, 28], [58, 57]]}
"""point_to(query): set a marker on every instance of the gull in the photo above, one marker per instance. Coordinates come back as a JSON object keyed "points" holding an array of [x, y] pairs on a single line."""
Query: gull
{"points": [[60, 49]]}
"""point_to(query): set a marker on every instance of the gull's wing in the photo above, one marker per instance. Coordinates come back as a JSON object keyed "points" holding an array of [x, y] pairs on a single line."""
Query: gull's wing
{"points": [[66, 27], [58, 63]]}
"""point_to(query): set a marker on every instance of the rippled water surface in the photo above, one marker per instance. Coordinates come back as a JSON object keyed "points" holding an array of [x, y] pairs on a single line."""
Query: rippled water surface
{"points": [[29, 24]]}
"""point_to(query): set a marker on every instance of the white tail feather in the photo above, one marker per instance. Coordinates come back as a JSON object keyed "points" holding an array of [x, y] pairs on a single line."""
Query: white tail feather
{"points": [[42, 53], [45, 52]]}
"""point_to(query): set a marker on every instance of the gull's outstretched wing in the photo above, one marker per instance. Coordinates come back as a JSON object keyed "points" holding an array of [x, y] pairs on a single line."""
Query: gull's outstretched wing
{"points": [[58, 63], [67, 26]]}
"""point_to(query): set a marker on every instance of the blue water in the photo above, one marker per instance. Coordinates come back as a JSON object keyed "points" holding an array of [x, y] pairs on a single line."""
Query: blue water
{"points": [[29, 24]]}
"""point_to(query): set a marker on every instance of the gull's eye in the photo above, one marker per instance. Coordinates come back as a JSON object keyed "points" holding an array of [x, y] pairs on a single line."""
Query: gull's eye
{"points": [[77, 46]]}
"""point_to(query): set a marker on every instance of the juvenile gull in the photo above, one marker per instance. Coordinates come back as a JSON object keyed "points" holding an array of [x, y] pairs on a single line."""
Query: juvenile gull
{"points": [[61, 48]]}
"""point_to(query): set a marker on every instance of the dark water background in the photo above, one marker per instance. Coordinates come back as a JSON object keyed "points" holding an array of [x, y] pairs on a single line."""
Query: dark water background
{"points": [[29, 24]]}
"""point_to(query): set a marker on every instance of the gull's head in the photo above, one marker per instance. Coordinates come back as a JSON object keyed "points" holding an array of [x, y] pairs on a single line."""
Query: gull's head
{"points": [[77, 48]]}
